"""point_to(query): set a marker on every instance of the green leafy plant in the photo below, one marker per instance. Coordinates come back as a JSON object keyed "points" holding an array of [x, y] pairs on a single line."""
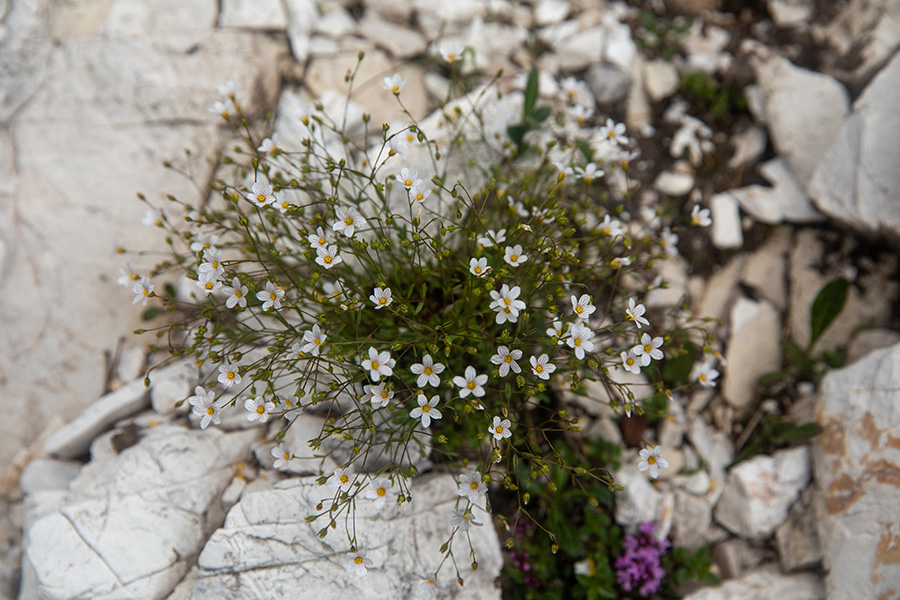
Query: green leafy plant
{"points": [[719, 99], [660, 37], [533, 116]]}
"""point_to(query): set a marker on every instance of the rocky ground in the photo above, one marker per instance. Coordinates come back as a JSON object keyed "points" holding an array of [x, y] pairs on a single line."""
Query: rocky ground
{"points": [[780, 116]]}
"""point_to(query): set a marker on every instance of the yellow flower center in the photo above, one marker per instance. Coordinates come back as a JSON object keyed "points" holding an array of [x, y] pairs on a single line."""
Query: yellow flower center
{"points": [[588, 180], [514, 257], [451, 57], [327, 260], [702, 378], [577, 342], [471, 385], [384, 394], [478, 270], [407, 182], [230, 375], [238, 293], [260, 409], [322, 241], [648, 348], [344, 479], [273, 296], [428, 370], [287, 456], [348, 221], [261, 199], [382, 301], [651, 460], [474, 484], [209, 285], [426, 408], [381, 491], [629, 361], [396, 89], [358, 560], [498, 429], [374, 365], [508, 358], [579, 310], [507, 301], [538, 369], [211, 411]]}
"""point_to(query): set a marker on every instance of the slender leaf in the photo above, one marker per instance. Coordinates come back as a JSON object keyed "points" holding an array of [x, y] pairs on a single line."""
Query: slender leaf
{"points": [[531, 91], [826, 307]]}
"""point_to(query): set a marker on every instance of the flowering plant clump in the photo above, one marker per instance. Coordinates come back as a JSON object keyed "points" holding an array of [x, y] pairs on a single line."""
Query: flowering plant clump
{"points": [[639, 567], [422, 316]]}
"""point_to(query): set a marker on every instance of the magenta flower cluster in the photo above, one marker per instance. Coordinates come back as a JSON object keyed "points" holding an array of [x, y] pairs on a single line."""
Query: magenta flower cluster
{"points": [[639, 568]]}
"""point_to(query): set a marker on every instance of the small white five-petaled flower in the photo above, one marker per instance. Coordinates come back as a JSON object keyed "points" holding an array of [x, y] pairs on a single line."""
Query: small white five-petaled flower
{"points": [[648, 349], [472, 487], [228, 375], [631, 362], [427, 410], [427, 372], [582, 306], [282, 455], [358, 562], [394, 83], [479, 267], [635, 312], [506, 359], [652, 461], [142, 290], [380, 491], [542, 367], [705, 374], [348, 221], [381, 297], [513, 255], [258, 409], [313, 340], [379, 395], [261, 195], [700, 216], [204, 407], [500, 429], [328, 256], [378, 364], [470, 384], [579, 339], [342, 479], [271, 297], [452, 52], [237, 294]]}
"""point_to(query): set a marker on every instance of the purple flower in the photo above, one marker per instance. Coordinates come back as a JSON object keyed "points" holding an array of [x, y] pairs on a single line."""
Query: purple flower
{"points": [[638, 567]]}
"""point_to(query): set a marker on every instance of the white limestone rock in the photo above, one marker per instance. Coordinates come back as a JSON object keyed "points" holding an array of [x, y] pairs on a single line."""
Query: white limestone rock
{"points": [[864, 35], [608, 84], [726, 233], [75, 437], [674, 183], [735, 556], [44, 474], [25, 45], [753, 348], [267, 15], [692, 519], [140, 18], [804, 110], [400, 41], [302, 15], [857, 181], [714, 447], [640, 502], [131, 524], [580, 50], [761, 490], [267, 548], [749, 145], [549, 12], [764, 270], [449, 18], [785, 201], [660, 79], [765, 583], [797, 539], [857, 469], [790, 13]]}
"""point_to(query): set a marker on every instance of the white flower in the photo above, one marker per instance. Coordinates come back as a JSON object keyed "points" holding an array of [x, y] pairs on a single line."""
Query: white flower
{"points": [[615, 132], [500, 429], [203, 404], [463, 519], [611, 227], [213, 262], [517, 206], [380, 491], [282, 455], [513, 255], [394, 83], [209, 282], [631, 363], [620, 261], [357, 562], [228, 375], [285, 204], [581, 113], [153, 218], [127, 276], [428, 585], [507, 360], [261, 195], [228, 89], [582, 306], [472, 487], [397, 145], [479, 267], [506, 303], [420, 190], [635, 313], [378, 364], [237, 293], [269, 145], [348, 221], [669, 241], [328, 257], [271, 296], [648, 349], [342, 479], [589, 173], [258, 409], [563, 169], [705, 374], [408, 178], [381, 297], [580, 339], [304, 113], [313, 340], [427, 410], [700, 216], [542, 367], [570, 87], [320, 239], [427, 371], [488, 240], [224, 109], [653, 461], [452, 52], [142, 290], [379, 395], [556, 331], [471, 383]]}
